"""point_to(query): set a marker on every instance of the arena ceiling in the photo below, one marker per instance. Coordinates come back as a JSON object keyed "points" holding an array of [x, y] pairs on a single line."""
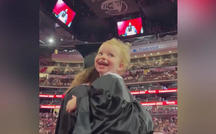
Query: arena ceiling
{"points": [[96, 19]]}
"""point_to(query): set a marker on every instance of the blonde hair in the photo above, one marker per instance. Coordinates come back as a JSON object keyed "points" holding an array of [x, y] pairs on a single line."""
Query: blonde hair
{"points": [[87, 75], [124, 49]]}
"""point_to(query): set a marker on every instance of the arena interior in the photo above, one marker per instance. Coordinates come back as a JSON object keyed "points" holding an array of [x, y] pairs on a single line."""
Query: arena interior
{"points": [[152, 74]]}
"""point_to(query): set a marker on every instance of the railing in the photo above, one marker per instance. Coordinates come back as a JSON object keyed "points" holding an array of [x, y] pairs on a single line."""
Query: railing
{"points": [[159, 103], [171, 90]]}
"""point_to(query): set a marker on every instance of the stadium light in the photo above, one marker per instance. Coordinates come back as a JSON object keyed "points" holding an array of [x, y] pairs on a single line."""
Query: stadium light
{"points": [[51, 40]]}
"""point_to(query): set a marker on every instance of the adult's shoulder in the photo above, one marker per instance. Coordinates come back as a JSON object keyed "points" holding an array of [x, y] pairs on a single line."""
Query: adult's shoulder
{"points": [[112, 75], [107, 80], [109, 77], [78, 91]]}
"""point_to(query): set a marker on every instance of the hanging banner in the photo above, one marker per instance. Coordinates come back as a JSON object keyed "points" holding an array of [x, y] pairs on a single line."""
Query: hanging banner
{"points": [[154, 46], [108, 8]]}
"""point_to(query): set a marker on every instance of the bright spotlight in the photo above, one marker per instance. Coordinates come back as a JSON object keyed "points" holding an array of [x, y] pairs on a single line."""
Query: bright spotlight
{"points": [[51, 40]]}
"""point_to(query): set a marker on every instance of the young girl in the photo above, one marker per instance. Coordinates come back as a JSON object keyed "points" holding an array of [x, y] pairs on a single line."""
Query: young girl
{"points": [[111, 108]]}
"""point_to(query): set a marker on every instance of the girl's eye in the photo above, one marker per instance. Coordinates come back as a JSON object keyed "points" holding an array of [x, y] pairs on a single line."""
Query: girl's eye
{"points": [[100, 53], [111, 55]]}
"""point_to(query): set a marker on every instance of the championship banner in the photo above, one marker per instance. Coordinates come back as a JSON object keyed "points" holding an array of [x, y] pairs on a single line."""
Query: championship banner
{"points": [[108, 8]]}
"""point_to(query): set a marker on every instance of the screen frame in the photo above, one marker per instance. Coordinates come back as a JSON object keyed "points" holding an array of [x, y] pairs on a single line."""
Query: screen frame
{"points": [[125, 18], [49, 11], [62, 10]]}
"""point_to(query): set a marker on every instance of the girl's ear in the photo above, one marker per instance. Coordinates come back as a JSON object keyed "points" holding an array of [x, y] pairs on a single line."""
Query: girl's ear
{"points": [[121, 67]]}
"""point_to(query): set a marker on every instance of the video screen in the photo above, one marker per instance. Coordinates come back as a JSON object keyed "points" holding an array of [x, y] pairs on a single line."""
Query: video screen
{"points": [[130, 27], [64, 13]]}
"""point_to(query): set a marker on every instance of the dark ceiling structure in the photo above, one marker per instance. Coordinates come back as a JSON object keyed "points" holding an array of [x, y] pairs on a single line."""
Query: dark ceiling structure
{"points": [[95, 20]]}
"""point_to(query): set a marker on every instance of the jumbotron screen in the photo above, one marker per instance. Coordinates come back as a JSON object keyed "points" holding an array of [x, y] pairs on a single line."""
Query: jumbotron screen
{"points": [[130, 27], [64, 13]]}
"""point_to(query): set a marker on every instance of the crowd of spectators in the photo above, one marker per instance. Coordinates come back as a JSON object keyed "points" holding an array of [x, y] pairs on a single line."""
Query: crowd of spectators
{"points": [[149, 75], [47, 123], [137, 87], [156, 97], [60, 70], [141, 98], [61, 64], [42, 80], [55, 81], [43, 69], [50, 101], [65, 71], [162, 123], [152, 86], [141, 70], [133, 77], [163, 110], [46, 63], [153, 63], [166, 125], [130, 76], [56, 91], [142, 63]]}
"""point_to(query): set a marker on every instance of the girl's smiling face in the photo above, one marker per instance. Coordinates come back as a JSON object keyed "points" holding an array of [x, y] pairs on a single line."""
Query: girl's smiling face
{"points": [[108, 59]]}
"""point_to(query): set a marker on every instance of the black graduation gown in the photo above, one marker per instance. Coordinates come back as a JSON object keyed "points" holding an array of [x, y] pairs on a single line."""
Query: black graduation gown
{"points": [[106, 107], [66, 121], [114, 110]]}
